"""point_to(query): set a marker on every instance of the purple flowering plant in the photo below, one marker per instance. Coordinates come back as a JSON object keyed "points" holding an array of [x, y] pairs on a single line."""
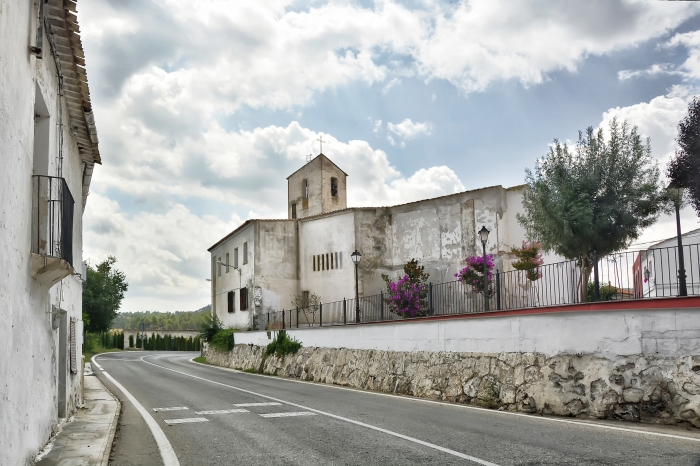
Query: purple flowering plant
{"points": [[473, 274], [407, 297]]}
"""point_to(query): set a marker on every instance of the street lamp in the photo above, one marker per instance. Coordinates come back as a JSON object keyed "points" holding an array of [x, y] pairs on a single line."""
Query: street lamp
{"points": [[484, 236], [647, 276], [677, 197], [356, 256]]}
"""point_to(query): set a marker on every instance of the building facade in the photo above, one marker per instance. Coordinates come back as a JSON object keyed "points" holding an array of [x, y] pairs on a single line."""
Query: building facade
{"points": [[48, 143], [309, 252]]}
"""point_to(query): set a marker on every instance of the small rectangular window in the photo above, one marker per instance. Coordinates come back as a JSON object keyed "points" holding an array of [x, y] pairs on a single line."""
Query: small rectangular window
{"points": [[332, 262], [245, 252], [231, 299], [334, 187], [340, 259], [227, 263], [235, 257], [244, 299], [305, 188], [313, 259], [294, 211], [218, 265], [337, 264], [328, 264]]}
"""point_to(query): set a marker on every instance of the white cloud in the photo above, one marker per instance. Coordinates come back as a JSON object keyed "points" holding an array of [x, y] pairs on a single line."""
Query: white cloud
{"points": [[215, 57], [691, 40], [377, 126], [407, 129], [653, 70], [390, 84]]}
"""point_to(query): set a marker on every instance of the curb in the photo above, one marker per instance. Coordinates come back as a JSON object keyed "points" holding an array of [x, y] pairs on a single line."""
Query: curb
{"points": [[104, 457]]}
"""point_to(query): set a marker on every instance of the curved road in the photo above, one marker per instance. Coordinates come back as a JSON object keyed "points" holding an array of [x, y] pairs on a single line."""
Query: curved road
{"points": [[228, 417]]}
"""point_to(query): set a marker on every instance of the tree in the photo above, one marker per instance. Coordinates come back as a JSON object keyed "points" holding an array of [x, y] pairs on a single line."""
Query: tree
{"points": [[102, 295], [595, 199], [684, 169]]}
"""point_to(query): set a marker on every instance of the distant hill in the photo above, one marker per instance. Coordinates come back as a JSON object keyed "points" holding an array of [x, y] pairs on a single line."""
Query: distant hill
{"points": [[162, 320]]}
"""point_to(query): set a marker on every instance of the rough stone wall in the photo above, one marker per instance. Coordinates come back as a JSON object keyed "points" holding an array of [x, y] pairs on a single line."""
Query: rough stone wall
{"points": [[661, 390]]}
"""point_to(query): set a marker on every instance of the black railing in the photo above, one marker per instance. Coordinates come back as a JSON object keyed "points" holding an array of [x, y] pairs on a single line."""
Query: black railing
{"points": [[52, 217], [626, 275]]}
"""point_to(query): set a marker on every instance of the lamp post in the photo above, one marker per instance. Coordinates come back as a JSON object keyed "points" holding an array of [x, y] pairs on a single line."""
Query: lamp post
{"points": [[647, 276], [356, 256], [484, 236], [677, 196]]}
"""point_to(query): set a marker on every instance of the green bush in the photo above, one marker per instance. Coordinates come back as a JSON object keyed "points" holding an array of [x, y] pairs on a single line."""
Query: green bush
{"points": [[131, 341], [283, 345], [223, 339]]}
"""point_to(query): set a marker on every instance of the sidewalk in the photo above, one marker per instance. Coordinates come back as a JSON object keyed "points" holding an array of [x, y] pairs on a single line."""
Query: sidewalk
{"points": [[87, 441]]}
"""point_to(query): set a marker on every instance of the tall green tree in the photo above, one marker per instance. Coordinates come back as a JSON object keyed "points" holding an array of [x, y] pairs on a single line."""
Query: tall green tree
{"points": [[594, 198], [684, 169], [102, 295]]}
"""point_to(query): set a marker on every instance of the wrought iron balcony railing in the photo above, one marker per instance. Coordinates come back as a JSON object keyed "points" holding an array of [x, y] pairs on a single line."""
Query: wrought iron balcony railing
{"points": [[52, 217]]}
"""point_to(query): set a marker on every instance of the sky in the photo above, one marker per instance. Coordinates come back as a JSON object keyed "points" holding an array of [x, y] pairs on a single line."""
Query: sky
{"points": [[203, 108]]}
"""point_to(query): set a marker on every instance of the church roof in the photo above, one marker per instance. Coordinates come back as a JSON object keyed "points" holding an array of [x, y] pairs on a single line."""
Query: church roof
{"points": [[319, 155]]}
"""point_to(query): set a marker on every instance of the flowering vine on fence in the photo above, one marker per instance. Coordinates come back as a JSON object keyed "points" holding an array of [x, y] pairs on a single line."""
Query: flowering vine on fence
{"points": [[529, 259], [473, 274], [406, 297]]}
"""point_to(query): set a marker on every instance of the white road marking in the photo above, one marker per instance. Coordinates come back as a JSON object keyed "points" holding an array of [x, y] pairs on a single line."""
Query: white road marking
{"points": [[186, 420], [340, 418], [223, 411], [95, 363], [166, 449], [293, 414], [462, 406], [241, 405], [174, 408]]}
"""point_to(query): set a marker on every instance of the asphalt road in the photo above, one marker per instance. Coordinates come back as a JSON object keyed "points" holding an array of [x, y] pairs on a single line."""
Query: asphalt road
{"points": [[258, 420]]}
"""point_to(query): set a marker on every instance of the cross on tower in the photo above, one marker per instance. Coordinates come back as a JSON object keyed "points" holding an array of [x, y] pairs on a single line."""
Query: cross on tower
{"points": [[320, 139]]}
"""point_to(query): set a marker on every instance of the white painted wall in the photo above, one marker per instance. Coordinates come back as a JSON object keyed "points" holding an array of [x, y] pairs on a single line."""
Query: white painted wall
{"points": [[328, 234], [29, 345], [667, 332]]}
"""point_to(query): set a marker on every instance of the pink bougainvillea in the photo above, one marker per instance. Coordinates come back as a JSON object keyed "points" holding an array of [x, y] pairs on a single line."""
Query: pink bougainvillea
{"points": [[473, 274], [529, 259], [406, 297]]}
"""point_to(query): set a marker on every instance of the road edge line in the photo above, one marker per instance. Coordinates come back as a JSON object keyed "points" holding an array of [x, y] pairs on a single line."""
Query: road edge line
{"points": [[166, 449]]}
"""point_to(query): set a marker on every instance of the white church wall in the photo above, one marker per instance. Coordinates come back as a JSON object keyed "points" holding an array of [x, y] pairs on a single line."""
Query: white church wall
{"points": [[29, 343], [225, 281], [330, 234]]}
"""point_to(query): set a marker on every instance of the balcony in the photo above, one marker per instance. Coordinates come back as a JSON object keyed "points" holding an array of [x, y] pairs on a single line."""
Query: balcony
{"points": [[52, 229]]}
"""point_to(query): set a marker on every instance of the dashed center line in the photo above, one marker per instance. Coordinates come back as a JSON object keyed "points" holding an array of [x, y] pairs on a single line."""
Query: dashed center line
{"points": [[174, 408], [186, 420], [245, 405], [223, 411], [292, 414]]}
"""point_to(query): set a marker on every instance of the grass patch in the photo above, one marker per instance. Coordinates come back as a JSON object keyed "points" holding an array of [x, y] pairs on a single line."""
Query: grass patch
{"points": [[282, 345], [98, 350], [200, 359], [223, 340]]}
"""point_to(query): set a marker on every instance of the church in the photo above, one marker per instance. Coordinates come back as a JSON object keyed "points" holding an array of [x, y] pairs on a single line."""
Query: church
{"points": [[263, 264]]}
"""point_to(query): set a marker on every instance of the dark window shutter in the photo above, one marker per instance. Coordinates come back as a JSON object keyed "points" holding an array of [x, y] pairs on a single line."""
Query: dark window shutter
{"points": [[231, 295], [73, 360], [244, 299]]}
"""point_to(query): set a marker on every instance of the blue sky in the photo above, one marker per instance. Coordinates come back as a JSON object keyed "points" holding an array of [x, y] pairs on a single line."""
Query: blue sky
{"points": [[204, 108]]}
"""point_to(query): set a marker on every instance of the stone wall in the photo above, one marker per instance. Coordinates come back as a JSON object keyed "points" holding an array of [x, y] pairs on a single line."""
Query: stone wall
{"points": [[664, 390]]}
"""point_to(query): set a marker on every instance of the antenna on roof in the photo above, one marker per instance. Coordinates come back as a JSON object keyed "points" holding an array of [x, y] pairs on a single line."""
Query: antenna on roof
{"points": [[309, 157]]}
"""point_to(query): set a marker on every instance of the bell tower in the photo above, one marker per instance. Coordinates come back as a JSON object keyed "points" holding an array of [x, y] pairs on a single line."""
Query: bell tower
{"points": [[316, 188]]}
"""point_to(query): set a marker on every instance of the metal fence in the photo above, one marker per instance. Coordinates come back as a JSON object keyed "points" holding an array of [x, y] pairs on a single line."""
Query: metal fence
{"points": [[626, 275], [52, 217]]}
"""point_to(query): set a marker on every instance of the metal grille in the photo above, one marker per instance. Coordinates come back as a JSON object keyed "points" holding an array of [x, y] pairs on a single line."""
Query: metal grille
{"points": [[52, 217]]}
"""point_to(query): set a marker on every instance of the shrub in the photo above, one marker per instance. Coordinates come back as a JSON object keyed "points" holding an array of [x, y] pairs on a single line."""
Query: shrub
{"points": [[529, 259], [223, 339], [210, 326], [473, 274], [282, 345], [131, 341]]}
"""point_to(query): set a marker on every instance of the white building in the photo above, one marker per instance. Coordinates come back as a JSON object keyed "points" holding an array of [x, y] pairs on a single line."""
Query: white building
{"points": [[48, 144], [661, 262], [271, 261]]}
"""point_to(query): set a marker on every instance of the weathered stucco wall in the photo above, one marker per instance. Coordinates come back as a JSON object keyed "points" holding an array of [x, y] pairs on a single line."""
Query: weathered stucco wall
{"points": [[664, 390], [276, 270], [29, 395]]}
